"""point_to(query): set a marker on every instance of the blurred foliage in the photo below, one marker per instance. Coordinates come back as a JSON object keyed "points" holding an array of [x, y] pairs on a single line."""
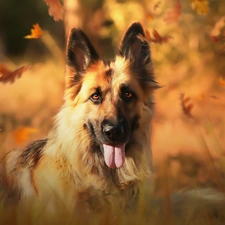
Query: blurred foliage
{"points": [[16, 19], [105, 21]]}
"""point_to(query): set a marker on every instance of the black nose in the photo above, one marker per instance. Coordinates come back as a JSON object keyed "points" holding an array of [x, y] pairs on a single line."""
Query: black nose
{"points": [[113, 132]]}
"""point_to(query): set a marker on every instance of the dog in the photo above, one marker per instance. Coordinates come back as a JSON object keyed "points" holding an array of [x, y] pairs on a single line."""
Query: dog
{"points": [[95, 163], [99, 150]]}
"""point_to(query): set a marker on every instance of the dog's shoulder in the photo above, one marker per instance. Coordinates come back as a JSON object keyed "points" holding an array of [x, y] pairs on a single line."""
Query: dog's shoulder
{"points": [[17, 163], [32, 153]]}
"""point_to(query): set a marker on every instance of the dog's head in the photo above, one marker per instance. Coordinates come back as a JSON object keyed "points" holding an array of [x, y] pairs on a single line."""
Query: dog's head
{"points": [[115, 97]]}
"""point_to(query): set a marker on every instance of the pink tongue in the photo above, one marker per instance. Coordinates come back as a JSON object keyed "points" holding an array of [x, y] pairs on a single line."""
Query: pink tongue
{"points": [[114, 155]]}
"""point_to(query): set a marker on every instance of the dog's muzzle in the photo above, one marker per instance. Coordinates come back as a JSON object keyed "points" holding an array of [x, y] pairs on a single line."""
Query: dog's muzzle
{"points": [[115, 135]]}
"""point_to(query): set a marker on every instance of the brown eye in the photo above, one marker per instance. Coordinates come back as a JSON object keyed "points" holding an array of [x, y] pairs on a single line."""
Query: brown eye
{"points": [[128, 95], [96, 98]]}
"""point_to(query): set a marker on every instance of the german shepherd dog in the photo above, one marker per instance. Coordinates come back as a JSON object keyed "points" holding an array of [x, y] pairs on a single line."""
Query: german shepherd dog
{"points": [[99, 150], [98, 154]]}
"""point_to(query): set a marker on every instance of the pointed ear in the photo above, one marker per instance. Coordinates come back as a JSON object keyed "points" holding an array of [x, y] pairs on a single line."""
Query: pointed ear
{"points": [[79, 53], [135, 48]]}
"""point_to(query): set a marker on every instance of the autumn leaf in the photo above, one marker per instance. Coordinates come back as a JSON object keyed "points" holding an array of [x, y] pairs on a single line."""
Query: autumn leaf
{"points": [[200, 6], [55, 9], [173, 15], [36, 32], [157, 5], [221, 81], [157, 37], [9, 76], [218, 29], [150, 17], [22, 134], [186, 105], [214, 97]]}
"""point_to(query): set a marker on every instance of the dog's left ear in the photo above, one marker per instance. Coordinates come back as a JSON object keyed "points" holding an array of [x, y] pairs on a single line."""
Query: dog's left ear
{"points": [[80, 52], [134, 47]]}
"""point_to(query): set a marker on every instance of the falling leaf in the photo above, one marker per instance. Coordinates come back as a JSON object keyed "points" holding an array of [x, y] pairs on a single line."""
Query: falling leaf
{"points": [[200, 6], [217, 31], [157, 37], [36, 32], [9, 76], [201, 96], [173, 15], [152, 13], [186, 106], [55, 9], [22, 134], [221, 81], [214, 97], [150, 17], [157, 5]]}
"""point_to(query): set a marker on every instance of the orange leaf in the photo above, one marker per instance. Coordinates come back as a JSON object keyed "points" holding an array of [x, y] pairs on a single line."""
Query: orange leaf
{"points": [[55, 9], [157, 5], [221, 81], [9, 76], [217, 30], [22, 134], [200, 6], [150, 17], [36, 32], [157, 37], [186, 106], [173, 15]]}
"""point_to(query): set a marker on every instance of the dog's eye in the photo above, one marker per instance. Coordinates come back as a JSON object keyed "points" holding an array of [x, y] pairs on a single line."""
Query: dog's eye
{"points": [[96, 98], [128, 96]]}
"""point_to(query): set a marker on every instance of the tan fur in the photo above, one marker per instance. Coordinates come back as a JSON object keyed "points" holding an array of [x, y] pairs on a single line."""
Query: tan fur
{"points": [[69, 156], [67, 170]]}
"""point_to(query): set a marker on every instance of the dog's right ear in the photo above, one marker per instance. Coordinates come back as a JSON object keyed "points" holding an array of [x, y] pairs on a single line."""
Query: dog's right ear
{"points": [[80, 53]]}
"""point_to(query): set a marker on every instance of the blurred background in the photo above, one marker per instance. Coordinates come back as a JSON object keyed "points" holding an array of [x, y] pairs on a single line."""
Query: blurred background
{"points": [[187, 39]]}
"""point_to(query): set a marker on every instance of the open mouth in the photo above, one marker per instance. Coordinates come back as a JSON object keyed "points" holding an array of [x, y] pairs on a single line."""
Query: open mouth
{"points": [[112, 143], [114, 155]]}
